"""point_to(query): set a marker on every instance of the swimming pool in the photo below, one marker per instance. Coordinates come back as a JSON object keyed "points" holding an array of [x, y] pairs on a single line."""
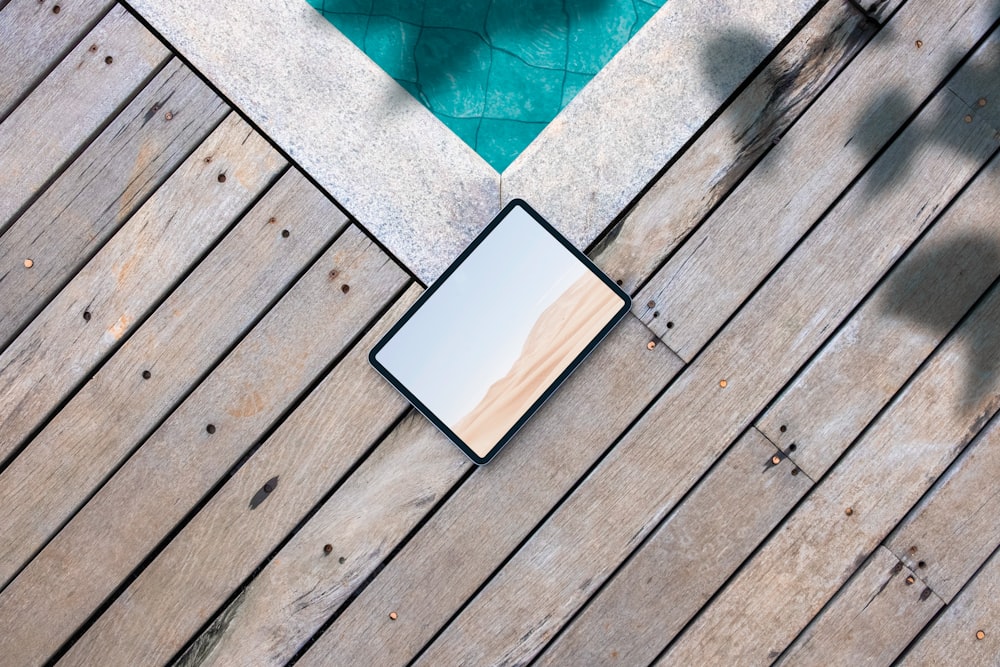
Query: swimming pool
{"points": [[496, 72]]}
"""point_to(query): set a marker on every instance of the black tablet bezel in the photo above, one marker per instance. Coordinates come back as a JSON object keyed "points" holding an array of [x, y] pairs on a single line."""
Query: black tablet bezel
{"points": [[418, 404]]}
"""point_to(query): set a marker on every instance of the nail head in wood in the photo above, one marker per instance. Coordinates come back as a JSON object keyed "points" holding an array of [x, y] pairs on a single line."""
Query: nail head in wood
{"points": [[109, 60], [86, 316], [982, 101], [285, 233], [146, 375], [968, 118], [345, 288], [651, 345], [210, 428], [909, 580], [341, 560], [775, 459], [222, 178], [651, 304], [170, 116], [919, 44], [56, 9], [849, 511], [723, 384], [980, 635], [28, 263], [393, 615], [327, 548]]}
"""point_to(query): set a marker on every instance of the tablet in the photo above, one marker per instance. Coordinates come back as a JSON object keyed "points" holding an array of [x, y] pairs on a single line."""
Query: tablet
{"points": [[503, 327]]}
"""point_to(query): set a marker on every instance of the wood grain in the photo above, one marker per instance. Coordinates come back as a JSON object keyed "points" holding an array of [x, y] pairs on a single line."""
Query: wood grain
{"points": [[368, 517], [731, 145], [657, 592], [73, 102], [949, 535], [870, 620], [98, 192], [34, 36], [795, 183], [698, 547], [757, 353], [232, 535], [136, 268], [861, 368], [818, 548], [952, 638], [188, 334], [242, 398]]}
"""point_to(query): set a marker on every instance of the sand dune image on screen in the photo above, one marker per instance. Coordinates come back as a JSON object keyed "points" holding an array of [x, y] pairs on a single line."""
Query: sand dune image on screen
{"points": [[560, 333]]}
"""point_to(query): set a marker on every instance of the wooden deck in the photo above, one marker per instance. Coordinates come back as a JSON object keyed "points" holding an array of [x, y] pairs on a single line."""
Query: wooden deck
{"points": [[788, 453]]}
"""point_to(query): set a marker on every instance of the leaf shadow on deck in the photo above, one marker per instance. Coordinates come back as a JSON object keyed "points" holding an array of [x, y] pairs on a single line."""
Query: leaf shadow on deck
{"points": [[968, 79], [932, 296]]}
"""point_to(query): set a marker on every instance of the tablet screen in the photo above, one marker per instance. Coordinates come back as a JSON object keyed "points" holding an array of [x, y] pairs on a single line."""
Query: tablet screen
{"points": [[487, 344]]}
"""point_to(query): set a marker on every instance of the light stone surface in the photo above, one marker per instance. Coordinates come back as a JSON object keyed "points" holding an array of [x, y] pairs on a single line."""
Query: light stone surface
{"points": [[387, 160], [419, 188], [639, 111]]}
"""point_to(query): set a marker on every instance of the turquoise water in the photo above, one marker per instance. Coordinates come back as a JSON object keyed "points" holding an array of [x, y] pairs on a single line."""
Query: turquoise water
{"points": [[494, 71]]}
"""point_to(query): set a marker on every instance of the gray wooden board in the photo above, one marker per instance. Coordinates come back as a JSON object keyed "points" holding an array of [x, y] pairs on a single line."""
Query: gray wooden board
{"points": [[133, 270], [949, 535], [242, 523], [193, 328], [686, 560], [870, 620], [34, 36], [862, 367], [383, 502], [729, 147], [757, 353], [802, 176], [303, 585], [879, 479], [642, 608], [101, 189], [952, 639], [254, 385], [73, 102]]}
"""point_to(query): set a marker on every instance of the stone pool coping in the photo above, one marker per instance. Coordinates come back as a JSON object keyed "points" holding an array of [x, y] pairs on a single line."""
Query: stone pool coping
{"points": [[414, 184]]}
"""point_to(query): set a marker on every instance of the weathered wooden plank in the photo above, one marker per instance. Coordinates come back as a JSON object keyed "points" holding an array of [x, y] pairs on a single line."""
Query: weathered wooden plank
{"points": [[380, 505], [861, 368], [34, 35], [843, 520], [241, 399], [691, 555], [954, 637], [949, 535], [244, 521], [871, 619], [749, 234], [709, 169], [700, 415], [881, 10], [101, 189], [190, 332], [654, 596], [129, 275], [302, 585], [75, 100]]}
